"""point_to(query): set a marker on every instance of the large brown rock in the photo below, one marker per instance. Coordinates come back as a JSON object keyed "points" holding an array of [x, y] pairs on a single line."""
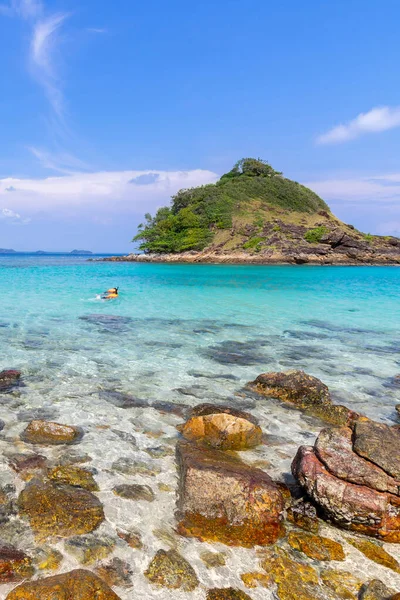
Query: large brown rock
{"points": [[334, 448], [59, 509], [223, 431], [75, 585], [206, 408], [380, 444], [352, 506], [223, 499], [46, 432], [296, 387]]}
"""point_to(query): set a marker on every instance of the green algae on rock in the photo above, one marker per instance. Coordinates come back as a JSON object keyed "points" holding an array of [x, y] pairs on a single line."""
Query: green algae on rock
{"points": [[77, 585], [169, 569], [59, 509]]}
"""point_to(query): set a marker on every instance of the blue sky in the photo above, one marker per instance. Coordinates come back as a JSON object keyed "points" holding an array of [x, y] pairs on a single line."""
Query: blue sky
{"points": [[107, 109]]}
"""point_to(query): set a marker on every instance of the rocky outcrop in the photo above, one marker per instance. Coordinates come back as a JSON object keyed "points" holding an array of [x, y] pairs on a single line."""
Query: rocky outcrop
{"points": [[223, 431], [304, 392], [225, 500], [169, 569], [59, 509], [353, 491], [78, 584], [46, 432]]}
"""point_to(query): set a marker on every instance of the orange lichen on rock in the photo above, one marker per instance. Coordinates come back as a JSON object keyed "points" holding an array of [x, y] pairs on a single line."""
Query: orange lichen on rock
{"points": [[222, 431]]}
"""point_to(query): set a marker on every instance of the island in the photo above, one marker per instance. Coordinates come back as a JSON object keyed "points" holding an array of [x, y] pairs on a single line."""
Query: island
{"points": [[7, 251], [81, 252], [253, 214]]}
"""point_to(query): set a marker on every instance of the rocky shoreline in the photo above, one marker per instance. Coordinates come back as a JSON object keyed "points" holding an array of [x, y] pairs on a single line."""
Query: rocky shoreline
{"points": [[350, 477]]}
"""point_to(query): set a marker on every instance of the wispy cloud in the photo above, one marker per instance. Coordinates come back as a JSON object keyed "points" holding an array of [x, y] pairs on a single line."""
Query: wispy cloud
{"points": [[62, 162], [384, 188], [100, 194], [45, 39], [376, 120], [97, 30]]}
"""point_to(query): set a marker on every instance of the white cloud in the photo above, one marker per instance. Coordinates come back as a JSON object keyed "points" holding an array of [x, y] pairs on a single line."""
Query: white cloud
{"points": [[12, 217], [378, 189], [100, 193], [376, 120]]}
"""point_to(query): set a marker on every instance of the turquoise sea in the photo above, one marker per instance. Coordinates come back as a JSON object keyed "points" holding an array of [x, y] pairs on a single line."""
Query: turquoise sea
{"points": [[185, 334]]}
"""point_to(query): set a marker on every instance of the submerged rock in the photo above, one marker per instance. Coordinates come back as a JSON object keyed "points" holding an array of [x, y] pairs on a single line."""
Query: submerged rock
{"points": [[223, 431], [254, 579], [226, 594], [90, 548], [48, 559], [134, 491], [59, 509], [294, 579], [345, 585], [170, 569], [212, 560], [132, 538], [47, 432], [75, 476], [375, 552], [78, 584], [9, 378], [127, 466], [316, 546], [375, 590], [223, 499], [296, 387], [116, 572], [27, 464], [15, 565]]}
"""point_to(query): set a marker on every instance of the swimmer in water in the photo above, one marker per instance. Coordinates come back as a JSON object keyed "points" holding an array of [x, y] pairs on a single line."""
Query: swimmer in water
{"points": [[110, 294]]}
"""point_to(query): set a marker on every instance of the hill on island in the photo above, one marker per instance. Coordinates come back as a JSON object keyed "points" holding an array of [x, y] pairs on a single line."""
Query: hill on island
{"points": [[256, 213]]}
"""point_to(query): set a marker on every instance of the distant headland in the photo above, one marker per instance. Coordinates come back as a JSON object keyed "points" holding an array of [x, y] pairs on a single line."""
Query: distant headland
{"points": [[255, 215]]}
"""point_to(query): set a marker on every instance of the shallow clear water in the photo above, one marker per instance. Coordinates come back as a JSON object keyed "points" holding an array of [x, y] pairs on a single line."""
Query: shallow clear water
{"points": [[187, 334]]}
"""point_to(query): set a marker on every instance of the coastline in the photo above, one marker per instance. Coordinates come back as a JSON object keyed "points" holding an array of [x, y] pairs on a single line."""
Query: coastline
{"points": [[243, 258]]}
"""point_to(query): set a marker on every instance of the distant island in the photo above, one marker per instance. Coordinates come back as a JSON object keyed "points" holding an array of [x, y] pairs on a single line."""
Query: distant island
{"points": [[44, 252], [253, 214]]}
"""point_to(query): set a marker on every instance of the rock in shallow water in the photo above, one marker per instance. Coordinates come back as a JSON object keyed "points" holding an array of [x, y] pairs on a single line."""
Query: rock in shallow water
{"points": [[134, 491], [47, 432], [349, 505], [170, 569], [59, 509], [75, 476], [77, 585], [88, 549], [226, 594], [296, 387], [225, 500], [8, 379], [315, 546], [222, 431], [15, 565]]}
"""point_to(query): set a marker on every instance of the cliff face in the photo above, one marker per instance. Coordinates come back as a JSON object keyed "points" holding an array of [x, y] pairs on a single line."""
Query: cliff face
{"points": [[253, 214]]}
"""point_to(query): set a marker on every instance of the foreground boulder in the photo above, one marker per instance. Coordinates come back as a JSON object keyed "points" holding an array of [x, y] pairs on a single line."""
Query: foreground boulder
{"points": [[349, 505], [223, 499], [223, 431], [46, 432], [77, 585], [379, 444], [61, 510]]}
